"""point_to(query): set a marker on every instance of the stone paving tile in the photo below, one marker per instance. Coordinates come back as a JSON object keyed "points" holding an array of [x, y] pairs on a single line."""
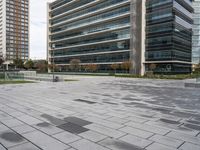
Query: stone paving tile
{"points": [[12, 122], [67, 137], [7, 109], [23, 129], [118, 145], [3, 127], [87, 145], [105, 130], [2, 148], [77, 121], [137, 119], [192, 126], [44, 141], [16, 113], [118, 120], [169, 121], [29, 120], [173, 128], [105, 116], [72, 128], [118, 115], [9, 139], [166, 141], [140, 142], [184, 137], [157, 146], [105, 123], [149, 128], [48, 128], [53, 120], [189, 146], [25, 146], [137, 132], [141, 105], [92, 136], [5, 116]]}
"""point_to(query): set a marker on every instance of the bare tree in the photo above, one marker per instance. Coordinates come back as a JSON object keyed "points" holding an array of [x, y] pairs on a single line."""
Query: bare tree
{"points": [[114, 67], [53, 66], [127, 65], [75, 64], [197, 68], [92, 67], [41, 65], [19, 63], [152, 67], [29, 64]]}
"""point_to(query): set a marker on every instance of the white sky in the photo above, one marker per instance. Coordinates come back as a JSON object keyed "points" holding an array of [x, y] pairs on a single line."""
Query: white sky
{"points": [[38, 27]]}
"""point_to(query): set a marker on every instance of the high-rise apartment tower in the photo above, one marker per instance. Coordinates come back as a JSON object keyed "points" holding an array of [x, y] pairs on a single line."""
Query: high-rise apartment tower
{"points": [[14, 29]]}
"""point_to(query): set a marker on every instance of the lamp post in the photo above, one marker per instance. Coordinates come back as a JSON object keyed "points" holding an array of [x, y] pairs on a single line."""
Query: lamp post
{"points": [[53, 48]]}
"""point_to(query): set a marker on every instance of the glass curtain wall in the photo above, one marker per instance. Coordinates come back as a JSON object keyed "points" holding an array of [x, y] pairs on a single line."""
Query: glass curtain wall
{"points": [[196, 32], [169, 36]]}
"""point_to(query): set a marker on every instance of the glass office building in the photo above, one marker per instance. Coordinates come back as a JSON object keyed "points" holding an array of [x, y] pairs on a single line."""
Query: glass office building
{"points": [[196, 33], [14, 29], [106, 32], [169, 35], [94, 32]]}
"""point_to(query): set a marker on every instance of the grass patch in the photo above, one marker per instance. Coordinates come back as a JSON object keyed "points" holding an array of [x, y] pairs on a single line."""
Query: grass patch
{"points": [[70, 80], [15, 82]]}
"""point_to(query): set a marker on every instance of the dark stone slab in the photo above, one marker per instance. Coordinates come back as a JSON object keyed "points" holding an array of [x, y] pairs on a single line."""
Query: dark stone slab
{"points": [[84, 101], [53, 120], [130, 99], [147, 116], [11, 137], [73, 128], [43, 124], [77, 121], [169, 121], [192, 126], [162, 110], [194, 122], [110, 103], [182, 114], [64, 93], [119, 145]]}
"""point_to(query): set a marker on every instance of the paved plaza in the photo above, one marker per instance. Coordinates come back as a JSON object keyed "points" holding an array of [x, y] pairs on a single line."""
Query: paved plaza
{"points": [[100, 113]]}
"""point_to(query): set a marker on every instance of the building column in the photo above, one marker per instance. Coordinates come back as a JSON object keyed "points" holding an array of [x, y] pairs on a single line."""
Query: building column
{"points": [[137, 42]]}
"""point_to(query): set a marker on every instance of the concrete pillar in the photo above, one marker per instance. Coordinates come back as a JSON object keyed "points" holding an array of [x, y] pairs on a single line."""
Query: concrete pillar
{"points": [[7, 67], [137, 42]]}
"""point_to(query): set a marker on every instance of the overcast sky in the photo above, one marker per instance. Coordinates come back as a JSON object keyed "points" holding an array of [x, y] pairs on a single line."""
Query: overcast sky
{"points": [[38, 19]]}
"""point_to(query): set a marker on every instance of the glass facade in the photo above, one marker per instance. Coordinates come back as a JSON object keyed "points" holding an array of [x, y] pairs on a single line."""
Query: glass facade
{"points": [[109, 32], [196, 33], [94, 32], [169, 35]]}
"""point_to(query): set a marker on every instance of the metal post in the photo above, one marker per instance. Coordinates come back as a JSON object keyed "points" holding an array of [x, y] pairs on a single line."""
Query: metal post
{"points": [[53, 48]]}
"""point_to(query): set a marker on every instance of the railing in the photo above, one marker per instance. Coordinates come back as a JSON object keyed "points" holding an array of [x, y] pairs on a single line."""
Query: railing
{"points": [[198, 79], [11, 76]]}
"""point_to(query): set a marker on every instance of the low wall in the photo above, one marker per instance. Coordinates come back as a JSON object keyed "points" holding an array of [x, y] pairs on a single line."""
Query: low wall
{"points": [[192, 85], [32, 75], [28, 73]]}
